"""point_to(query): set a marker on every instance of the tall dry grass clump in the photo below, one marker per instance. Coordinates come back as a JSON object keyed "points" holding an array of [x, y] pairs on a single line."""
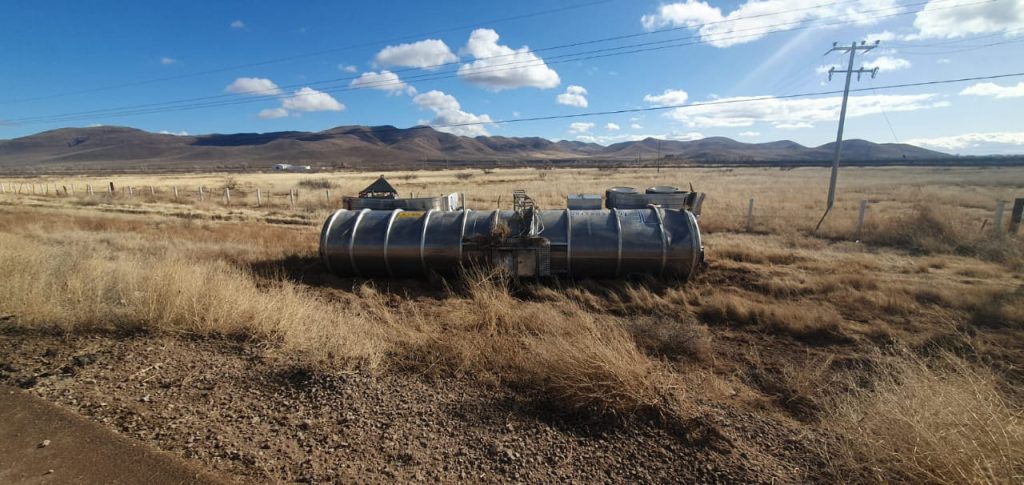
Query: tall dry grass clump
{"points": [[924, 422], [928, 230], [84, 284], [566, 355]]}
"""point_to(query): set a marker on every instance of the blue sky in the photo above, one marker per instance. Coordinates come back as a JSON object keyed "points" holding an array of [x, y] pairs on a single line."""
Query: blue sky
{"points": [[51, 49]]}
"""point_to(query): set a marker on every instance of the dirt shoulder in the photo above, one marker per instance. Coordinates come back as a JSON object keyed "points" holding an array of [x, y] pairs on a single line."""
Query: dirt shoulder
{"points": [[227, 407], [44, 443]]}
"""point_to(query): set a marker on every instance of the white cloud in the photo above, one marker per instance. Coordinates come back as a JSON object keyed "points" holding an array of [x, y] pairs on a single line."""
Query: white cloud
{"points": [[573, 96], [749, 134], [797, 125], [670, 97], [943, 61], [428, 54], [518, 68], [237, 24], [994, 90], [167, 61], [883, 36], [448, 111], [610, 139], [745, 110], [347, 68], [272, 113], [887, 63], [636, 126], [612, 127], [309, 99], [580, 127], [754, 19], [937, 20], [254, 86], [982, 143], [383, 81]]}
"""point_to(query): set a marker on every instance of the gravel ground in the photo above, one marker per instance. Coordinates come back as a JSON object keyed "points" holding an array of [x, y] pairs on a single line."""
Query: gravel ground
{"points": [[230, 408]]}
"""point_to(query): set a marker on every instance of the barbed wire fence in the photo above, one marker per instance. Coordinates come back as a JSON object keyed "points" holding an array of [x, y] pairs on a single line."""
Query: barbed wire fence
{"points": [[750, 216]]}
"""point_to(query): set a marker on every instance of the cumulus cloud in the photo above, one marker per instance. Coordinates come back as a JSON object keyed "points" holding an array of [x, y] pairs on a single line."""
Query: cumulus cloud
{"points": [[309, 99], [994, 90], [1003, 142], [883, 36], [580, 127], [796, 125], [749, 134], [744, 111], [610, 139], [448, 111], [168, 61], [754, 19], [383, 81], [636, 126], [500, 67], [428, 54], [670, 97], [612, 127], [253, 86], [237, 24], [887, 63], [347, 68], [272, 113], [937, 20], [573, 96]]}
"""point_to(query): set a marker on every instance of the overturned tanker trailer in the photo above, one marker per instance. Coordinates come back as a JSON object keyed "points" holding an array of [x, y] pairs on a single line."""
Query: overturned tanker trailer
{"points": [[380, 235]]}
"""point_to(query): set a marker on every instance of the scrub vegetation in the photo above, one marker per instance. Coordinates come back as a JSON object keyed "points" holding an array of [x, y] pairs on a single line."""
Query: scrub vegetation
{"points": [[900, 354]]}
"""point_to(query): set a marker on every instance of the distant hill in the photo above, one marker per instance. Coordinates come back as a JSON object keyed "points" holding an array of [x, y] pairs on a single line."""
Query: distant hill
{"points": [[384, 146]]}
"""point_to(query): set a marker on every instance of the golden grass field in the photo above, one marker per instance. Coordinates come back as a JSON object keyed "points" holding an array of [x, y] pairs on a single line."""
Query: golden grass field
{"points": [[905, 349]]}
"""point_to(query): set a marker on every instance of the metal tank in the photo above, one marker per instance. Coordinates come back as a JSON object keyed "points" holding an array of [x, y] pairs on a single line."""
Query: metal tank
{"points": [[576, 243]]}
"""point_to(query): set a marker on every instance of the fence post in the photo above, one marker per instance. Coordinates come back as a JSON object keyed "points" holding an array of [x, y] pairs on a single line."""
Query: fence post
{"points": [[291, 197], [131, 191], [1000, 208], [259, 199], [1016, 214], [860, 218], [175, 192], [227, 196], [200, 193], [750, 216], [46, 189], [2, 188], [88, 189], [152, 193], [72, 189], [327, 192]]}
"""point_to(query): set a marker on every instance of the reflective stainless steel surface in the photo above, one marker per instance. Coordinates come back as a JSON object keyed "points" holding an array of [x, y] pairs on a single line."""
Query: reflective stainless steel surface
{"points": [[583, 243]]}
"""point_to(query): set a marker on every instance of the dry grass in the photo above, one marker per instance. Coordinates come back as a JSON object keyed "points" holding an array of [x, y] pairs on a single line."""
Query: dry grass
{"points": [[778, 318], [928, 422]]}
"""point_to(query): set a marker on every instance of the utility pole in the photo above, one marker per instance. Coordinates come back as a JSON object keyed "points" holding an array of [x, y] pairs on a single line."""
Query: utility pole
{"points": [[849, 71]]}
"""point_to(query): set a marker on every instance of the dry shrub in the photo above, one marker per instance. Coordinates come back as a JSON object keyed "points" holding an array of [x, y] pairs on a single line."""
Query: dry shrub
{"points": [[804, 321], [567, 355], [672, 339], [921, 423], [1000, 309], [82, 286], [317, 183], [926, 230]]}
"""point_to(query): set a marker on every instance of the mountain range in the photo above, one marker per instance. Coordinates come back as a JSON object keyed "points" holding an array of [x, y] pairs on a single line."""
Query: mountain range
{"points": [[386, 146]]}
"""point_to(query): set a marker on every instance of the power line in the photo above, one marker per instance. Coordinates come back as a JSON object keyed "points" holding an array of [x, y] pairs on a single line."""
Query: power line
{"points": [[688, 106], [573, 57], [308, 54], [273, 93]]}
